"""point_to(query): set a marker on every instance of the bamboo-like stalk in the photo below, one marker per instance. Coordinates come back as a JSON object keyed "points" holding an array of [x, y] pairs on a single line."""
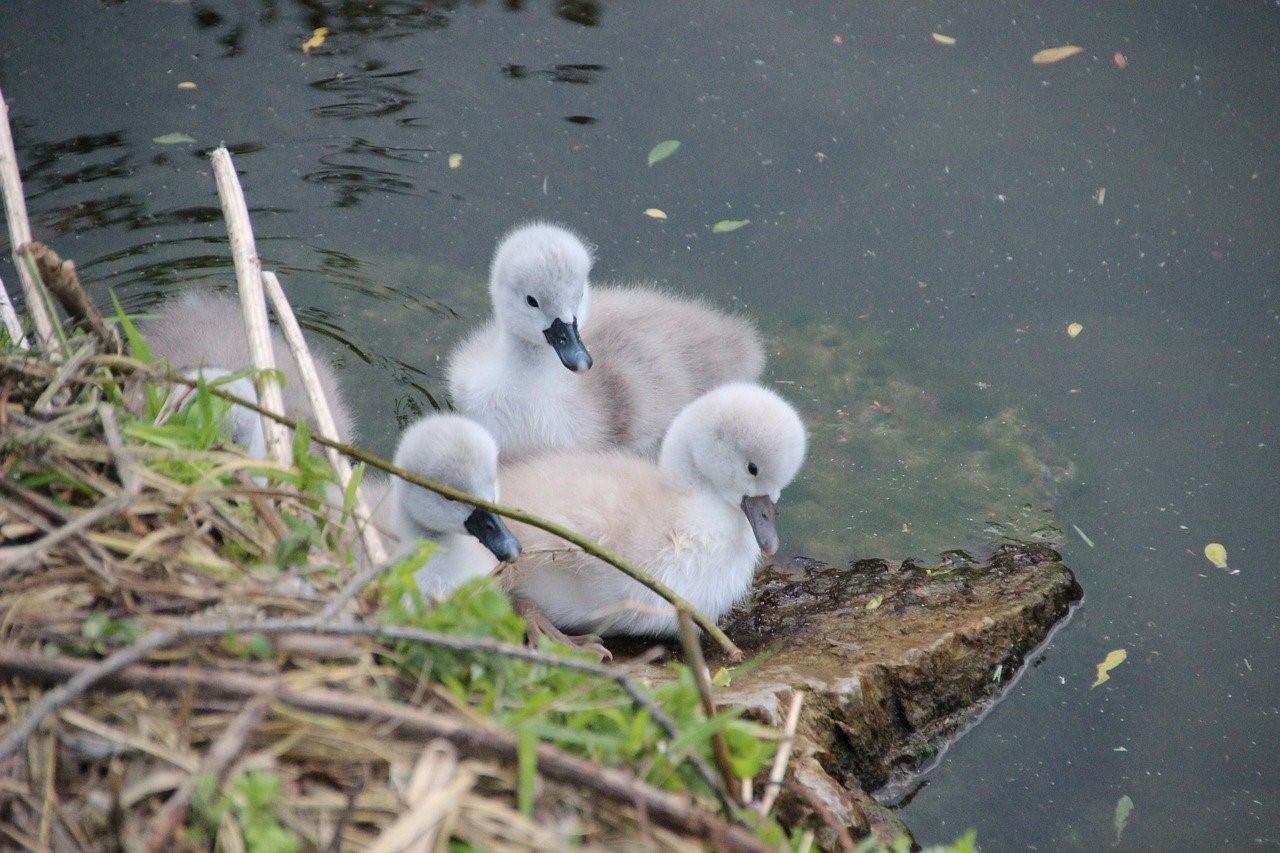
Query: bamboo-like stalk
{"points": [[779, 770], [10, 319], [325, 425], [244, 253], [15, 213]]}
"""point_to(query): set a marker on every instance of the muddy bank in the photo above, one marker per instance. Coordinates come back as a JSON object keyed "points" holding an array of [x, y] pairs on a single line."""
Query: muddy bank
{"points": [[894, 659]]}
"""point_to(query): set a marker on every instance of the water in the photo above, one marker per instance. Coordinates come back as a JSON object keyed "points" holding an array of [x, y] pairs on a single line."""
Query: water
{"points": [[939, 201]]}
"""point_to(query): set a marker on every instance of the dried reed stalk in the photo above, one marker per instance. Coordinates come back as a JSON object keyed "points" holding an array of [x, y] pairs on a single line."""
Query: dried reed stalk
{"points": [[15, 209], [244, 254], [779, 770], [325, 425], [10, 319]]}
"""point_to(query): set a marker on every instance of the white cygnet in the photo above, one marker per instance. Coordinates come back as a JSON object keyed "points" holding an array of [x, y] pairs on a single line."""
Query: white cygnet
{"points": [[698, 520], [460, 453], [205, 331], [634, 355]]}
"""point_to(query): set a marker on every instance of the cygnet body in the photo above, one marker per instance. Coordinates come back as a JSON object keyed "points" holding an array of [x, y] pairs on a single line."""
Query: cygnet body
{"points": [[200, 332], [563, 366], [460, 453], [698, 520]]}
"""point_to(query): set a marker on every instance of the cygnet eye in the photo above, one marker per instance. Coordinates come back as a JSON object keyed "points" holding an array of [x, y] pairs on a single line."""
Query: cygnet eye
{"points": [[533, 303], [752, 469]]}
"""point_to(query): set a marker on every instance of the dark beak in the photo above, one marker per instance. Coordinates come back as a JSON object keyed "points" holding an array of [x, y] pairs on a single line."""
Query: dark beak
{"points": [[568, 345], [762, 514], [493, 534]]}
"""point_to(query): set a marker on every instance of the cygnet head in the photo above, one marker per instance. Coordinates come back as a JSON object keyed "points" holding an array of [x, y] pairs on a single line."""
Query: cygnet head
{"points": [[458, 452], [538, 281], [743, 442]]}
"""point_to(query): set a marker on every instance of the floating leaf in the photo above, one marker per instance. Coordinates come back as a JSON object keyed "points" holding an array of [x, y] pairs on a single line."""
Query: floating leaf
{"points": [[1111, 661], [1215, 553], [1120, 59], [455, 160], [318, 35], [186, 84], [663, 150], [1124, 808], [724, 226], [655, 213], [1050, 55], [1074, 329], [173, 139], [876, 601], [941, 39]]}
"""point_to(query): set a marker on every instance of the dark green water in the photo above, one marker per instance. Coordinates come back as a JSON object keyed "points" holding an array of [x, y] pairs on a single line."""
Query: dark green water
{"points": [[936, 205]]}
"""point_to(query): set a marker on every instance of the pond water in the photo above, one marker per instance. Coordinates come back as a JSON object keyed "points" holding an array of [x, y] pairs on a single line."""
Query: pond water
{"points": [[925, 221]]}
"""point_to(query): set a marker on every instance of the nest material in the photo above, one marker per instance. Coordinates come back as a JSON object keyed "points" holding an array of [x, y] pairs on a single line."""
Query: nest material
{"points": [[104, 541]]}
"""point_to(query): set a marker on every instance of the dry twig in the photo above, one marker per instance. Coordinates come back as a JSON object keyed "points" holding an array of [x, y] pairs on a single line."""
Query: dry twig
{"points": [[697, 663]]}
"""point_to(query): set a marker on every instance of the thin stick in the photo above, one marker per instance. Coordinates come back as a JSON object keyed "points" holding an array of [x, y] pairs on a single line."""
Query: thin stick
{"points": [[164, 638], [325, 425], [693, 657], [15, 211], [217, 763], [779, 770], [668, 810], [10, 319], [594, 549], [244, 254]]}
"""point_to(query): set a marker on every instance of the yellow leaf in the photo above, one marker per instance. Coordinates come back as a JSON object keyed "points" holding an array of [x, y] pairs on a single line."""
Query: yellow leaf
{"points": [[1074, 329], [318, 35], [1050, 55], [1216, 554], [654, 213], [876, 601], [1110, 662], [455, 160], [186, 84], [941, 39]]}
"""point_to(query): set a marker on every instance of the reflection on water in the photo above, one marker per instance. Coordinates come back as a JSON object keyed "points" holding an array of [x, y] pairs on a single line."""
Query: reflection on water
{"points": [[925, 222]]}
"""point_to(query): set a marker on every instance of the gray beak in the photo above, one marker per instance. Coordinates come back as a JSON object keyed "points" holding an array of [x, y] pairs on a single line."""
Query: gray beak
{"points": [[762, 514], [493, 534], [568, 345]]}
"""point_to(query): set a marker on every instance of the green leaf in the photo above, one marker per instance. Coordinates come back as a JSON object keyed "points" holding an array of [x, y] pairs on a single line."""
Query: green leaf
{"points": [[173, 139], [663, 150], [724, 226], [1124, 808], [1113, 659], [1216, 553]]}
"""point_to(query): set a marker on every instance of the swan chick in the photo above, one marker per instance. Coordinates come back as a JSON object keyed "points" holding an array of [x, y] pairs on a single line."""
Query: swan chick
{"points": [[205, 330], [698, 520], [653, 352], [458, 452], [538, 284]]}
